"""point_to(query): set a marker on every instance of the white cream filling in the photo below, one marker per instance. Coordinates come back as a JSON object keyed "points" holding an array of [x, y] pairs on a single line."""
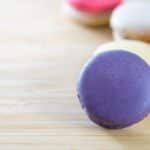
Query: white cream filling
{"points": [[85, 17]]}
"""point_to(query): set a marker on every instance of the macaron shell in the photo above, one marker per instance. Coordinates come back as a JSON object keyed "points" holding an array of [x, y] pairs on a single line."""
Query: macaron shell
{"points": [[131, 34], [139, 48], [94, 6], [132, 16], [109, 90]]}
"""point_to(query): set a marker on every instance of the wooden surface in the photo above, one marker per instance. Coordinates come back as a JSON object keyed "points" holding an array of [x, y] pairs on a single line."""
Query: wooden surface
{"points": [[41, 54]]}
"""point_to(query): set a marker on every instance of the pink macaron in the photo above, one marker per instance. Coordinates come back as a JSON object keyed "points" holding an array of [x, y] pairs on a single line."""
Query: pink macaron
{"points": [[90, 12]]}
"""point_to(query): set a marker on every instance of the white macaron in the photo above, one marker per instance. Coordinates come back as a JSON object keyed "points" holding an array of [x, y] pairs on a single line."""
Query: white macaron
{"points": [[131, 20], [139, 48]]}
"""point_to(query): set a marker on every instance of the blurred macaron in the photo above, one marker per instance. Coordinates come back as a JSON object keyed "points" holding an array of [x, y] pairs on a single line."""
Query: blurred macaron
{"points": [[140, 48], [90, 12], [131, 20]]}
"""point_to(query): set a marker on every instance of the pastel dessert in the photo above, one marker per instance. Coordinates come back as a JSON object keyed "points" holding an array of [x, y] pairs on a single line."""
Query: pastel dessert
{"points": [[90, 12], [138, 47], [113, 87], [131, 21]]}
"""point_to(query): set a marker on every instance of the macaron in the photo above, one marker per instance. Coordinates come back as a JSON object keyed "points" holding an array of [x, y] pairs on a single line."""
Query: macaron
{"points": [[140, 48], [113, 86], [90, 12], [131, 21]]}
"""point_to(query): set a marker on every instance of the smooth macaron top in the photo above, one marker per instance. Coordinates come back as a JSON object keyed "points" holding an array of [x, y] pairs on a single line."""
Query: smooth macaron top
{"points": [[132, 16], [94, 6], [114, 88]]}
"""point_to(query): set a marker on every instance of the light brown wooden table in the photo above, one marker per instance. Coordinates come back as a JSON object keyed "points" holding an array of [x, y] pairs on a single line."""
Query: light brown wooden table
{"points": [[41, 54]]}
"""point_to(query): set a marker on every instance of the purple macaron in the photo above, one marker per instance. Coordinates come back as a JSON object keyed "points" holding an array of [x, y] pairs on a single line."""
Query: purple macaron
{"points": [[114, 88]]}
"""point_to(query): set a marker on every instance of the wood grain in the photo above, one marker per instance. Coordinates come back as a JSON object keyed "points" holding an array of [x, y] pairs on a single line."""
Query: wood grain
{"points": [[41, 56]]}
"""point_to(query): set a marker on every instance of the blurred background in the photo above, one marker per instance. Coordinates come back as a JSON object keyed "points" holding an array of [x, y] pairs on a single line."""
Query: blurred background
{"points": [[41, 55]]}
